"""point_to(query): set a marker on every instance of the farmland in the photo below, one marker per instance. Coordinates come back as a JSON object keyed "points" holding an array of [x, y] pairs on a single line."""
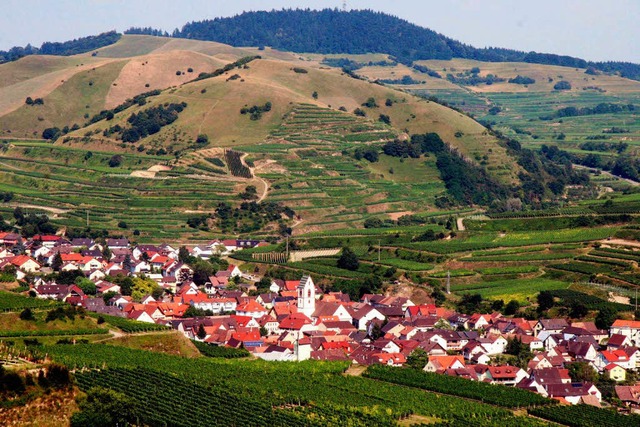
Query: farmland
{"points": [[294, 392]]}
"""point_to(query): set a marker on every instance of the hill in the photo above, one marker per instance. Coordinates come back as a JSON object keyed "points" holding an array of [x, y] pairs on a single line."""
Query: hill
{"points": [[145, 122], [360, 31]]}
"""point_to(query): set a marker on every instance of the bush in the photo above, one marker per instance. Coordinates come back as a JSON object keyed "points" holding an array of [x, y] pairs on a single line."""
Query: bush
{"points": [[202, 139], [562, 85], [27, 314], [115, 161]]}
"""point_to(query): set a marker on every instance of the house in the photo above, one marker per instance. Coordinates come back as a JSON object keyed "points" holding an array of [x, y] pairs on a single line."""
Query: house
{"points": [[506, 375], [117, 244], [440, 364], [364, 315], [617, 341], [629, 395], [628, 328], [551, 326], [547, 376], [25, 263], [617, 357], [389, 359], [574, 392], [615, 372], [252, 309]]}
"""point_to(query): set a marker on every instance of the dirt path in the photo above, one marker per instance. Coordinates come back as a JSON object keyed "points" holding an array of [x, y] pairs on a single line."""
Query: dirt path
{"points": [[265, 184], [56, 211], [204, 116], [460, 224], [621, 242]]}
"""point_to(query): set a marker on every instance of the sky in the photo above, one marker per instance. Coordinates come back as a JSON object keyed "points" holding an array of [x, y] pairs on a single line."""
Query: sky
{"points": [[597, 30]]}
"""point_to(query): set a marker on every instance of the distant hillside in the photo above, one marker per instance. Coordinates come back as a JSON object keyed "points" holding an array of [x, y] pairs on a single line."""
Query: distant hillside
{"points": [[71, 47], [362, 31]]}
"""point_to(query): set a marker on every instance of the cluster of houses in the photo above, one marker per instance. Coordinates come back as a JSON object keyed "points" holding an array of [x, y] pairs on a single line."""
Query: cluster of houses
{"points": [[296, 321]]}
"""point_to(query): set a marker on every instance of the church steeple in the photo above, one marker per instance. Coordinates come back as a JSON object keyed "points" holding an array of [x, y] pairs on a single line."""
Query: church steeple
{"points": [[306, 296]]}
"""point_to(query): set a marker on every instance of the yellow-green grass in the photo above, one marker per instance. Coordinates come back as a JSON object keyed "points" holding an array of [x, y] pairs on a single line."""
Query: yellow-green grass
{"points": [[84, 93], [158, 70], [540, 72], [132, 45], [216, 112], [522, 290], [171, 342], [11, 322], [37, 77]]}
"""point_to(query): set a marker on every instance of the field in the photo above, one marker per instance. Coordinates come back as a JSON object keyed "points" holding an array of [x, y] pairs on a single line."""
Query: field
{"points": [[303, 393]]}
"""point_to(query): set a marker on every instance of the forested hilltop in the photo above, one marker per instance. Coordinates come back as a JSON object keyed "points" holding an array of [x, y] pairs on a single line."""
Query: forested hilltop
{"points": [[361, 31], [70, 47]]}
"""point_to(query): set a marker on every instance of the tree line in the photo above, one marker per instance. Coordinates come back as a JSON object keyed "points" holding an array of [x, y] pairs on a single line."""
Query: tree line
{"points": [[70, 47], [331, 31]]}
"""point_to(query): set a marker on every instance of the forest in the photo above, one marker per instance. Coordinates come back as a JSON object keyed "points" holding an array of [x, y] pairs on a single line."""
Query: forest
{"points": [[331, 31], [71, 47]]}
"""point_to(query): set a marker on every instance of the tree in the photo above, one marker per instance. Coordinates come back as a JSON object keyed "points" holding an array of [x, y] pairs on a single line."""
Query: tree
{"points": [[27, 314], [578, 310], [183, 255], [102, 407], [202, 139], [126, 263], [87, 286], [314, 95], [202, 334], [56, 263], [58, 376], [562, 85], [605, 318], [545, 301], [512, 308], [418, 359], [348, 260], [201, 272], [107, 296], [581, 372], [115, 161]]}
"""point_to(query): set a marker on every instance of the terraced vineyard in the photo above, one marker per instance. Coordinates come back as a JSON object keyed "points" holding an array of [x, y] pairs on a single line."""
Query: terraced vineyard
{"points": [[305, 393], [76, 185], [310, 164]]}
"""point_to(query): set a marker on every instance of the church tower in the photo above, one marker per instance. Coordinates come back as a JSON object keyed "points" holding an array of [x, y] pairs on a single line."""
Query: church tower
{"points": [[306, 296]]}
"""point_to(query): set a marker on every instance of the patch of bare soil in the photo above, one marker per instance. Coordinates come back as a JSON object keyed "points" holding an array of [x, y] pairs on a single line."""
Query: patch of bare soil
{"points": [[621, 242], [395, 215], [381, 207], [51, 410], [159, 168], [143, 174]]}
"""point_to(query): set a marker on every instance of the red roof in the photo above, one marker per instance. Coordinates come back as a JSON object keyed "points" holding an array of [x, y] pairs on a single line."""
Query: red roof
{"points": [[20, 260], [251, 307], [635, 324]]}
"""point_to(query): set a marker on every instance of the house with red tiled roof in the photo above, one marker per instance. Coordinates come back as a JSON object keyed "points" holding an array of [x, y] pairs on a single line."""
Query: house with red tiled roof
{"points": [[629, 395], [296, 322], [252, 309], [439, 364], [25, 263], [615, 372], [617, 341], [618, 357], [628, 328], [574, 392], [389, 359]]}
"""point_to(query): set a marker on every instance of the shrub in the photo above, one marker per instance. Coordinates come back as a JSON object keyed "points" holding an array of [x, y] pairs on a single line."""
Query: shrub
{"points": [[562, 85], [115, 161]]}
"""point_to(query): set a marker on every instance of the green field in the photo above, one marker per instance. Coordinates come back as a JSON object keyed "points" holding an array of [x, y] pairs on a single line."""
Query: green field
{"points": [[310, 393]]}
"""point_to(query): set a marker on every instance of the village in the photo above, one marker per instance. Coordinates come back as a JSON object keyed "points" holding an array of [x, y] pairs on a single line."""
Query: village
{"points": [[294, 320]]}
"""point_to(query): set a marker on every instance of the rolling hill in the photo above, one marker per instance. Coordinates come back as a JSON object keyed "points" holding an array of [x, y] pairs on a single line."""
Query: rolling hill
{"points": [[301, 150]]}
